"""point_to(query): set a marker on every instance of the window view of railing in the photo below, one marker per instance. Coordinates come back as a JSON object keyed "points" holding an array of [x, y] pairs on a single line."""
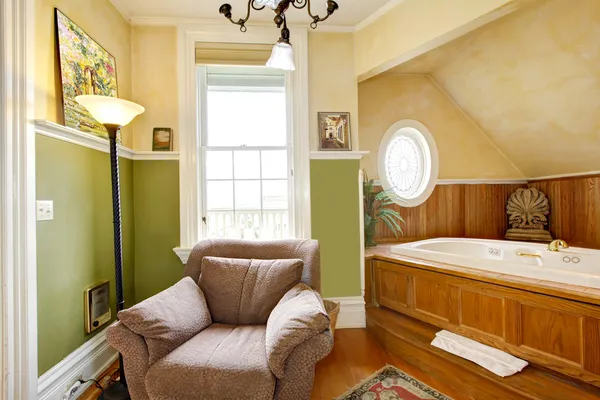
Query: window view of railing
{"points": [[257, 224], [246, 151]]}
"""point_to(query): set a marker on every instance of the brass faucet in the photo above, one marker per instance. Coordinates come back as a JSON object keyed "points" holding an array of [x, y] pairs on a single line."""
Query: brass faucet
{"points": [[555, 245]]}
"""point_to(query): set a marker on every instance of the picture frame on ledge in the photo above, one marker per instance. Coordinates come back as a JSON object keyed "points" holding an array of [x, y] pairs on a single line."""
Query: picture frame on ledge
{"points": [[162, 139], [334, 131]]}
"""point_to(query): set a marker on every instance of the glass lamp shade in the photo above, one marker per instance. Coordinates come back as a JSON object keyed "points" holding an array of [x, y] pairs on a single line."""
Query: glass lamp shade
{"points": [[110, 110], [272, 4], [282, 57]]}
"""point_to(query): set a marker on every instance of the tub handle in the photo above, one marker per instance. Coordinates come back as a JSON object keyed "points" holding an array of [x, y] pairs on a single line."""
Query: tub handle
{"points": [[528, 255]]}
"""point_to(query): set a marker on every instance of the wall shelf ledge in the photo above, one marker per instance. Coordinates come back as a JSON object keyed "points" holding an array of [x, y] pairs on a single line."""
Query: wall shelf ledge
{"points": [[74, 136], [338, 155]]}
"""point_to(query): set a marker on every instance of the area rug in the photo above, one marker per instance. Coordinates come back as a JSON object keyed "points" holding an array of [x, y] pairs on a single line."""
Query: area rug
{"points": [[389, 383]]}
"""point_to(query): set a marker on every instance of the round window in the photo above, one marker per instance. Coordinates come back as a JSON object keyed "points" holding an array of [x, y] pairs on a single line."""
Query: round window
{"points": [[408, 162]]}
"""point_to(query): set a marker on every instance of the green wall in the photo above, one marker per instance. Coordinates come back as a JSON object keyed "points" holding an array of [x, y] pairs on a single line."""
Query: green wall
{"points": [[75, 250], [335, 224], [156, 204]]}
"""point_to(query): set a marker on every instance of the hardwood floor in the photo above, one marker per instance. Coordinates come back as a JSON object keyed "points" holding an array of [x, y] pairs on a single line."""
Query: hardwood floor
{"points": [[356, 355]]}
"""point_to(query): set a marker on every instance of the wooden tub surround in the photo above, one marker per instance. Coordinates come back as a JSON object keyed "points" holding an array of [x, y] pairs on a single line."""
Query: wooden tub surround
{"points": [[556, 327]]}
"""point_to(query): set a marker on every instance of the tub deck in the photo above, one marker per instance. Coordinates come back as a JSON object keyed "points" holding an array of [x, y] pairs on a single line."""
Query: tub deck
{"points": [[572, 292]]}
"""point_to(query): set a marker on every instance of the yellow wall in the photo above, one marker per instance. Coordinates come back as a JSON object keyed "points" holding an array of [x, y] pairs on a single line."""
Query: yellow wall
{"points": [[531, 80], [416, 26], [332, 83], [154, 66], [464, 150], [99, 19]]}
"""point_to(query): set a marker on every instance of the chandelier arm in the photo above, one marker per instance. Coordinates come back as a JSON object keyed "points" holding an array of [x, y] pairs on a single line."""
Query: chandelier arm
{"points": [[256, 8], [332, 7], [225, 10], [300, 4]]}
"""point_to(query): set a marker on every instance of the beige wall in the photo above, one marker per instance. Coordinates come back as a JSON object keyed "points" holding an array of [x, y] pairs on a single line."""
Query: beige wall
{"points": [[531, 80], [416, 26], [98, 18], [332, 83], [154, 67], [464, 150]]}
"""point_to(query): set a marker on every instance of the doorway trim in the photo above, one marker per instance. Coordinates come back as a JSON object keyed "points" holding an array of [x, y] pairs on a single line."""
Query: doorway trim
{"points": [[17, 201]]}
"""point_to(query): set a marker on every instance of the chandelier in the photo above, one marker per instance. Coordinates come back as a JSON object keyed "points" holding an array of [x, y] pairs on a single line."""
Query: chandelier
{"points": [[282, 56]]}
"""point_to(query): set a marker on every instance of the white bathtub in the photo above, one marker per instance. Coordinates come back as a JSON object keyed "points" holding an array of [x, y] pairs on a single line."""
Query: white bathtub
{"points": [[575, 266]]}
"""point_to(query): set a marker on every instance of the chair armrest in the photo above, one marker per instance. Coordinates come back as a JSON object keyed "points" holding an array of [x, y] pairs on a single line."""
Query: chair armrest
{"points": [[136, 359], [299, 376], [298, 317]]}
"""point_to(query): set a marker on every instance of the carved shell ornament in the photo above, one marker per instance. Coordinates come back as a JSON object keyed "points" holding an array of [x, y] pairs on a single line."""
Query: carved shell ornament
{"points": [[527, 209]]}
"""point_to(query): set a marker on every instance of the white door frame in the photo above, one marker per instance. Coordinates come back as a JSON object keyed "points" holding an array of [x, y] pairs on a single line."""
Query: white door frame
{"points": [[17, 201]]}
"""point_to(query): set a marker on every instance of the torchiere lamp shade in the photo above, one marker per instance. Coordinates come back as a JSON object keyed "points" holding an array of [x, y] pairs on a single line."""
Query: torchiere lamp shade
{"points": [[110, 110]]}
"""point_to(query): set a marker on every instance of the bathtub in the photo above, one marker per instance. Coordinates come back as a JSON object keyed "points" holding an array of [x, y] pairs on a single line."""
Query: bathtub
{"points": [[574, 266]]}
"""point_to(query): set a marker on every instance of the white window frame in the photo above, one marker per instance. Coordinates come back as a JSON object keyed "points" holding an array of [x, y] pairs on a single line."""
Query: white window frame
{"points": [[289, 147], [430, 176], [189, 141]]}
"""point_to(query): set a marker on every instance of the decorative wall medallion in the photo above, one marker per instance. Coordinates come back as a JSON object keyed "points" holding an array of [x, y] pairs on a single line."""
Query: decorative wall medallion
{"points": [[528, 211]]}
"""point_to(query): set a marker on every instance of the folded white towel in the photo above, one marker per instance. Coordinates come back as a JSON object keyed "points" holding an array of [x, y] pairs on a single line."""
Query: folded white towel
{"points": [[494, 360]]}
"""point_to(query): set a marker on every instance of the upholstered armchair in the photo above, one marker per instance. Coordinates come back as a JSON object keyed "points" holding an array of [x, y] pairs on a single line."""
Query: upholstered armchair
{"points": [[246, 322]]}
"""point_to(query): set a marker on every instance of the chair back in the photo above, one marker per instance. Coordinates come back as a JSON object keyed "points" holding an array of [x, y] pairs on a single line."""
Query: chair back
{"points": [[306, 250]]}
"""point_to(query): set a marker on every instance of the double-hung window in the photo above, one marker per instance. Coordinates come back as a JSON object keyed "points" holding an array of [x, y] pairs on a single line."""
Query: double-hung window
{"points": [[246, 175]]}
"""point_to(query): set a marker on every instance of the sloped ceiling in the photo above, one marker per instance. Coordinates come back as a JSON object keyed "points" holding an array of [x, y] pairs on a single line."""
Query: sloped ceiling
{"points": [[531, 81]]}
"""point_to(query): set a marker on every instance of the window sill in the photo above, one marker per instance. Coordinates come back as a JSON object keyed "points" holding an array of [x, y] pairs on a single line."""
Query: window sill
{"points": [[183, 254]]}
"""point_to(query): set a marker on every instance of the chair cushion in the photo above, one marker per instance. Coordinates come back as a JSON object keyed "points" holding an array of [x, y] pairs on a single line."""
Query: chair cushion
{"points": [[168, 319], [244, 292], [221, 362], [299, 316]]}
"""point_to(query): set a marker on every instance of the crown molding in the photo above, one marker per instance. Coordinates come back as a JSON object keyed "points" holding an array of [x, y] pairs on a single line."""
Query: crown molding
{"points": [[338, 155], [177, 21], [74, 136], [377, 14]]}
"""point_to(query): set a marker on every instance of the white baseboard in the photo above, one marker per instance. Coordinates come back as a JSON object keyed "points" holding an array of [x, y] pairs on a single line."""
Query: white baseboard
{"points": [[88, 361], [352, 312]]}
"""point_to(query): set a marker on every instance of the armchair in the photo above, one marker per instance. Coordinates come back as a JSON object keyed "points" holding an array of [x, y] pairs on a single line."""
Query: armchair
{"points": [[235, 361]]}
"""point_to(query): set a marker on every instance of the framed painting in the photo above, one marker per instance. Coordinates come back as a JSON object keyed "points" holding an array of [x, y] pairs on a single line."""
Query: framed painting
{"points": [[334, 131], [85, 68], [162, 139]]}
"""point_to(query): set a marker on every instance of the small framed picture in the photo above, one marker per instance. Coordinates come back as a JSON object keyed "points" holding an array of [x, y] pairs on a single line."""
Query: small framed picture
{"points": [[162, 139], [334, 131]]}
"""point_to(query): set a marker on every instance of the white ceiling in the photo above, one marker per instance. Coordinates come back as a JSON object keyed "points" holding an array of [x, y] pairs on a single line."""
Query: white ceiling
{"points": [[351, 12]]}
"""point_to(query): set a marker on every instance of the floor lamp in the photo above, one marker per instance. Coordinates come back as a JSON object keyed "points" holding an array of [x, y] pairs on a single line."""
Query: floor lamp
{"points": [[114, 114]]}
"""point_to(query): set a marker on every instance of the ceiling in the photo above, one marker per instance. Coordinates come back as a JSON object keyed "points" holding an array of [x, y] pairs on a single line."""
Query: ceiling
{"points": [[531, 81], [351, 12]]}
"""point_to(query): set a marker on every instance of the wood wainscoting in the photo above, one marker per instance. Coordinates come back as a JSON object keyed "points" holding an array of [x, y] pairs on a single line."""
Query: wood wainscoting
{"points": [[557, 333], [574, 209], [477, 211]]}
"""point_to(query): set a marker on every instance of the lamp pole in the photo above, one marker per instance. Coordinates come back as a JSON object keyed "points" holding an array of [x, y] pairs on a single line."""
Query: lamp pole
{"points": [[117, 391], [114, 113]]}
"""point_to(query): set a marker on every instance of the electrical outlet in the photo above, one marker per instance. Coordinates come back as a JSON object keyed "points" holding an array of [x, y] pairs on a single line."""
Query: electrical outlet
{"points": [[45, 210], [73, 389]]}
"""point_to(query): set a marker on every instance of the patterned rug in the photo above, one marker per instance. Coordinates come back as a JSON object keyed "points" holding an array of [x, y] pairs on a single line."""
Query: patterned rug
{"points": [[389, 383]]}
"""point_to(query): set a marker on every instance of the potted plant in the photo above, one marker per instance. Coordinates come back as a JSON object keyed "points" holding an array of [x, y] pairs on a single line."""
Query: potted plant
{"points": [[375, 209]]}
